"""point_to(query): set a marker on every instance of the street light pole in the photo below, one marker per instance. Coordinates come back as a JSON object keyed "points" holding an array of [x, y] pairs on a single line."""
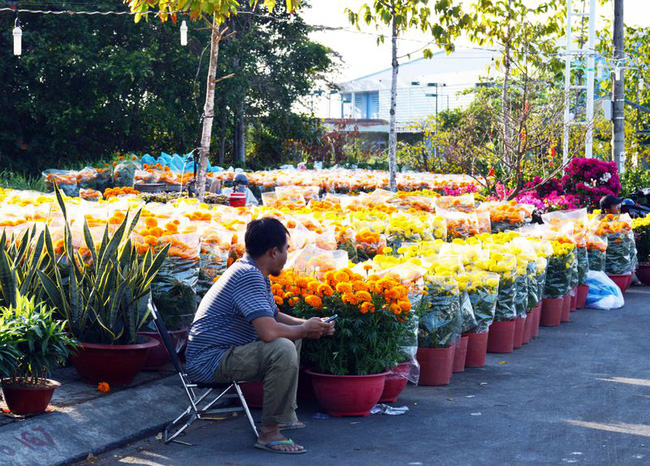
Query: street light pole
{"points": [[618, 120]]}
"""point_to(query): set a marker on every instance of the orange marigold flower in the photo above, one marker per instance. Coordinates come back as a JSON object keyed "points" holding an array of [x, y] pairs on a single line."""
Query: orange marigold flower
{"points": [[360, 286], [314, 301], [278, 300], [325, 290], [150, 240], [363, 297], [103, 387], [367, 307], [404, 305], [395, 309], [150, 222], [344, 287], [349, 298]]}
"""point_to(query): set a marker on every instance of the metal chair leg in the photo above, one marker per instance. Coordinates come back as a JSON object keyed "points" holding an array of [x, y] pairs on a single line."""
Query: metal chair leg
{"points": [[245, 405]]}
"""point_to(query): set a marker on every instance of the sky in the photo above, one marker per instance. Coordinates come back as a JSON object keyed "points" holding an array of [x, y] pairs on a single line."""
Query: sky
{"points": [[361, 55]]}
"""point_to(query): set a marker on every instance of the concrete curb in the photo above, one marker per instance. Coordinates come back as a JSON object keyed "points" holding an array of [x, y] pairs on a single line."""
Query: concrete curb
{"points": [[92, 427]]}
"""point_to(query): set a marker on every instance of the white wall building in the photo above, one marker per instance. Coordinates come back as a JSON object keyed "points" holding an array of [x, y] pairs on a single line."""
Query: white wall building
{"points": [[424, 87]]}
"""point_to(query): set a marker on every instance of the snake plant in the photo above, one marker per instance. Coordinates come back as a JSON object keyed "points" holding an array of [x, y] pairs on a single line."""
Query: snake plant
{"points": [[106, 298]]}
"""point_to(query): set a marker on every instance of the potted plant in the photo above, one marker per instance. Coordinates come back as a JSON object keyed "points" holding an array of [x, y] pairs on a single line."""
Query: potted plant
{"points": [[483, 290], [104, 295], [40, 343], [439, 326], [620, 258], [641, 227], [348, 370]]}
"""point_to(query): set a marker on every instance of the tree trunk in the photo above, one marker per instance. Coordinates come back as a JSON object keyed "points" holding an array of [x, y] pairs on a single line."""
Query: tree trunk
{"points": [[504, 106], [240, 156], [392, 132], [208, 112]]}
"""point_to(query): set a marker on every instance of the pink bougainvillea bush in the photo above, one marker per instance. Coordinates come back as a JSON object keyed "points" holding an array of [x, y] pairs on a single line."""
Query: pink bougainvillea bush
{"points": [[584, 183], [590, 179]]}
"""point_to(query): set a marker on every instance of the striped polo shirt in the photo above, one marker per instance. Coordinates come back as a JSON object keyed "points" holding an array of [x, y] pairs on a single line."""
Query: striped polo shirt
{"points": [[224, 317]]}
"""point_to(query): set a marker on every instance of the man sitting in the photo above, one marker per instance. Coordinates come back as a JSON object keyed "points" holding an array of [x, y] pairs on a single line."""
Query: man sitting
{"points": [[238, 334]]}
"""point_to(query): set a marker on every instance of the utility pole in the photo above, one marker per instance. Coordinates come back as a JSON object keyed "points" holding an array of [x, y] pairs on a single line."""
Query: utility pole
{"points": [[618, 85]]}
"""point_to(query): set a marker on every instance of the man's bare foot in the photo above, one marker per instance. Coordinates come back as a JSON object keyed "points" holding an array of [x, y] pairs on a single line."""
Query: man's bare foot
{"points": [[270, 435], [291, 426]]}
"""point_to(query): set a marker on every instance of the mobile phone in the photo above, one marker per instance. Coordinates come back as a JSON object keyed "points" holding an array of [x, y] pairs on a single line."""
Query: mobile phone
{"points": [[330, 319]]}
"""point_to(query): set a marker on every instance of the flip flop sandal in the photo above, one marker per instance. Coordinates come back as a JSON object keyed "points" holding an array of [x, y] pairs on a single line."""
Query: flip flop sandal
{"points": [[292, 426], [289, 442]]}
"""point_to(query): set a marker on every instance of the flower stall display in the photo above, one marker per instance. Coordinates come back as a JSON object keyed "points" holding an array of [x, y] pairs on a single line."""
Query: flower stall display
{"points": [[641, 228], [505, 216], [465, 203], [620, 258], [596, 251]]}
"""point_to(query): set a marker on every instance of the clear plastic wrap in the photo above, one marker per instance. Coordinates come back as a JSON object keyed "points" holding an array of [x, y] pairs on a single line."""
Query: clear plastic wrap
{"points": [[460, 224], [439, 313], [596, 250], [559, 270], [620, 258], [505, 216], [483, 291], [464, 203], [124, 173], [317, 262], [66, 180]]}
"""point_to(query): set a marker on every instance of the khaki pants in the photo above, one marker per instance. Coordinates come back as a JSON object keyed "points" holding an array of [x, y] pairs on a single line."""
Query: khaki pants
{"points": [[277, 364]]}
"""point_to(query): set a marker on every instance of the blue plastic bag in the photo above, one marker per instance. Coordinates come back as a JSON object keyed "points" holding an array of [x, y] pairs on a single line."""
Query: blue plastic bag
{"points": [[603, 292]]}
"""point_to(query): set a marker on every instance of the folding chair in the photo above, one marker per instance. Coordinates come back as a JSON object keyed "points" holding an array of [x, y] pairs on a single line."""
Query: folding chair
{"points": [[194, 411]]}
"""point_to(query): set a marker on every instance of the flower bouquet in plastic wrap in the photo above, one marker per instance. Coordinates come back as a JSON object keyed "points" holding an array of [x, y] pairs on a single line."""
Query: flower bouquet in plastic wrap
{"points": [[369, 244], [483, 291], [464, 203], [439, 312], [460, 224], [215, 248], [559, 269], [66, 180], [174, 289], [620, 258], [596, 251], [506, 215]]}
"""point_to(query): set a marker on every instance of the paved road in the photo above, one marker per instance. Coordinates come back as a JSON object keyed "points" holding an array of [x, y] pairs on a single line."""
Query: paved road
{"points": [[579, 394]]}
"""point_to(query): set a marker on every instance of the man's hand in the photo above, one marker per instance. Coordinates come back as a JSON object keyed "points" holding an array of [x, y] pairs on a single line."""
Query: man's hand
{"points": [[330, 330], [316, 328]]}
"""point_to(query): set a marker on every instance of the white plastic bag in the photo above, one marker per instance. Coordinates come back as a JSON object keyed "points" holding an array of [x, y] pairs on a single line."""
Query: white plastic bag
{"points": [[603, 292]]}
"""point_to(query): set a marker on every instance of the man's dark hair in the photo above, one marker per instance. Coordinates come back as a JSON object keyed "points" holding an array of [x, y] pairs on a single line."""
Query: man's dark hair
{"points": [[264, 234]]}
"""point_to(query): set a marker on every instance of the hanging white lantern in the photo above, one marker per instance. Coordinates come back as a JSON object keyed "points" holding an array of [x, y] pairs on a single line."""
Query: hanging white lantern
{"points": [[183, 33], [18, 39]]}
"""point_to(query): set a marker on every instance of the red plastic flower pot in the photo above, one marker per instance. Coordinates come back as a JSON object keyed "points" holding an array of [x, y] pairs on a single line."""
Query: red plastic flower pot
{"points": [[237, 200], [502, 337], [436, 365], [114, 364], [520, 323], [460, 354], [574, 299], [537, 313], [157, 357], [622, 281], [476, 349], [348, 395], [566, 308], [396, 381], [254, 393], [551, 314], [528, 327], [643, 273], [583, 291], [25, 401], [305, 389]]}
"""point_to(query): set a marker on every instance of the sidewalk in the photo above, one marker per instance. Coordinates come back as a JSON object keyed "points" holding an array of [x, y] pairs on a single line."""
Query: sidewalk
{"points": [[578, 394], [81, 419]]}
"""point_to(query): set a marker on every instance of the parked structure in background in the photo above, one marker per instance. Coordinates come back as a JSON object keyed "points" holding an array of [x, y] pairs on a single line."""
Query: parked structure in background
{"points": [[425, 87]]}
